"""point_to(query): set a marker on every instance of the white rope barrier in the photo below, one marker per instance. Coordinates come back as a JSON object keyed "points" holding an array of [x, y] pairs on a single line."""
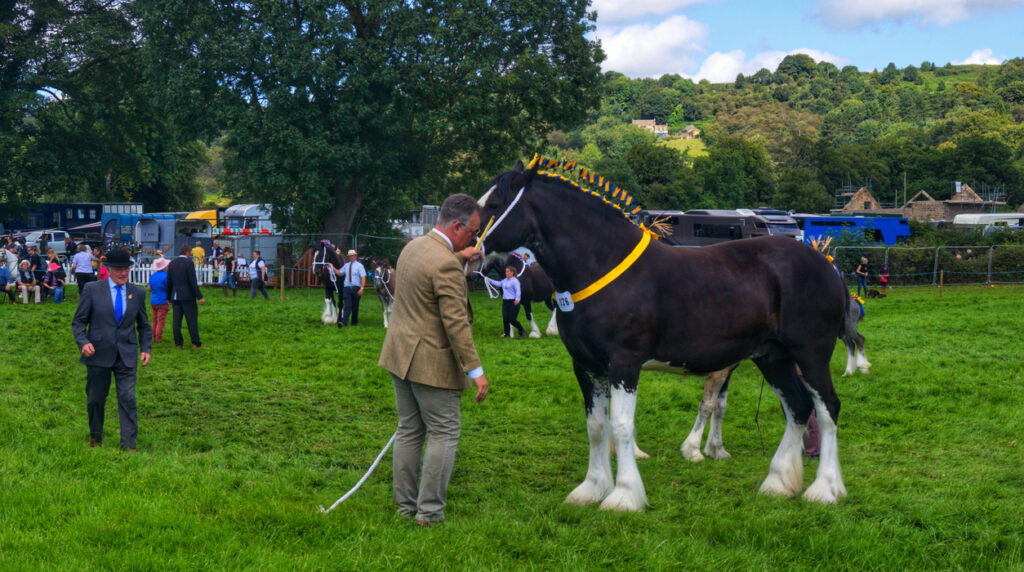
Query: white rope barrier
{"points": [[362, 480]]}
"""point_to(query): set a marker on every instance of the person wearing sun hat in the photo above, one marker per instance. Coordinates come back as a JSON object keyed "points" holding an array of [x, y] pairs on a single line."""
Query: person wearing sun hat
{"points": [[53, 282], [158, 297], [112, 332]]}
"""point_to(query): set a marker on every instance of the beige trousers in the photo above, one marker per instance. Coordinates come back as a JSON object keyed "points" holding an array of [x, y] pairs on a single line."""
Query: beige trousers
{"points": [[428, 414]]}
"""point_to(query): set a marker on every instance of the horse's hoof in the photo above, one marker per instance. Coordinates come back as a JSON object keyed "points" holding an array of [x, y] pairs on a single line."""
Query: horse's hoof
{"points": [[625, 500], [587, 493]]}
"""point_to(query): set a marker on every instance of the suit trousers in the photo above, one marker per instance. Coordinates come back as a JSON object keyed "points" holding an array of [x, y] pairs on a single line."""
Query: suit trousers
{"points": [[431, 414], [83, 278], [190, 311], [351, 295], [97, 385]]}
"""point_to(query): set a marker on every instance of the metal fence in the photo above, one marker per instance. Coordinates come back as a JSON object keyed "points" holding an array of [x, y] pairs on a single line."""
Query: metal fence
{"points": [[928, 265]]}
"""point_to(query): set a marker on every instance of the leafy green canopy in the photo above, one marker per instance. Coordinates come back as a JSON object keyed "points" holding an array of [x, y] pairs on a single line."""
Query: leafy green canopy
{"points": [[77, 121], [329, 107]]}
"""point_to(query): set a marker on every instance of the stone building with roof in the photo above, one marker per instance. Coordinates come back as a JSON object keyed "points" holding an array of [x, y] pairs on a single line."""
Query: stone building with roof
{"points": [[921, 206]]}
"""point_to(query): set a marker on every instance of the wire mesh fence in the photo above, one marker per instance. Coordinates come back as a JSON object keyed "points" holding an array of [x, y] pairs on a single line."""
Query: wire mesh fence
{"points": [[930, 265]]}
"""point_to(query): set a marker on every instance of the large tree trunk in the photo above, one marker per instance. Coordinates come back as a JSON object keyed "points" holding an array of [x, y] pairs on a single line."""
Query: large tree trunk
{"points": [[347, 200]]}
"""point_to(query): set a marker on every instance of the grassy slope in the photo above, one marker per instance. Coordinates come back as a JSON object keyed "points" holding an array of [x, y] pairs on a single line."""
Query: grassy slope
{"points": [[239, 444], [695, 147]]}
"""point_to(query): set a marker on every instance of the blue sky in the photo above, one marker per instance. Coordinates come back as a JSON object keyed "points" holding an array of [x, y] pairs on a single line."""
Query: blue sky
{"points": [[716, 39]]}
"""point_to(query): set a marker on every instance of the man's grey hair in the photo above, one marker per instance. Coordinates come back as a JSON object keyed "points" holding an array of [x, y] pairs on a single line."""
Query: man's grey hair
{"points": [[458, 207]]}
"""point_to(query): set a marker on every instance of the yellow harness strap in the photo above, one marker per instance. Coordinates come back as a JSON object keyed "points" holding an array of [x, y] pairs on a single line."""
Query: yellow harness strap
{"points": [[615, 272]]}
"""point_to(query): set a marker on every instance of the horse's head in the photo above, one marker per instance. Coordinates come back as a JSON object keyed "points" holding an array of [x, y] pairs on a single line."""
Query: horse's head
{"points": [[381, 269], [504, 202]]}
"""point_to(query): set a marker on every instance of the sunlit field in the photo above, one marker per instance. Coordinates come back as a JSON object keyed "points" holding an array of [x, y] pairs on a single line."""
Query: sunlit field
{"points": [[239, 444]]}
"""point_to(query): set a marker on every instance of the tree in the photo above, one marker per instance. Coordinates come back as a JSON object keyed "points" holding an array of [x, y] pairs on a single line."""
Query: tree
{"points": [[326, 104], [736, 173], [799, 190], [78, 119], [797, 66]]}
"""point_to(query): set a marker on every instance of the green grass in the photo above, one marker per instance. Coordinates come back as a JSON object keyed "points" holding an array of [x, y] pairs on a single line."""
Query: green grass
{"points": [[695, 147], [240, 443]]}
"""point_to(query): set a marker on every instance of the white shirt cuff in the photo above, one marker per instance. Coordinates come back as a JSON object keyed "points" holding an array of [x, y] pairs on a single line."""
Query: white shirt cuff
{"points": [[475, 373]]}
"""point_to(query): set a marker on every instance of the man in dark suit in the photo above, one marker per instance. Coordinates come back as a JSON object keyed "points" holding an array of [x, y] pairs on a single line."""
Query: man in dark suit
{"points": [[109, 327], [182, 293]]}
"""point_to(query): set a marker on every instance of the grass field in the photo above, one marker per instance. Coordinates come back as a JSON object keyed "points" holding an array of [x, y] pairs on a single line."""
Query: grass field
{"points": [[239, 445], [695, 147]]}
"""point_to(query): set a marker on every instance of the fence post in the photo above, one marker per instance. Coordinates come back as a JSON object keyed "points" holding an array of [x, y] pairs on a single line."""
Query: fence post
{"points": [[935, 268], [988, 277]]}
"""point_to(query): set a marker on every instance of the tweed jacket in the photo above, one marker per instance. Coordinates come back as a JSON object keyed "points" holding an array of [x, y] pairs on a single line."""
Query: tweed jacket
{"points": [[430, 337], [94, 323]]}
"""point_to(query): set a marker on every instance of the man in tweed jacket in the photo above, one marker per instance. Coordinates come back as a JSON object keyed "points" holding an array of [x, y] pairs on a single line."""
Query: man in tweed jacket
{"points": [[429, 351]]}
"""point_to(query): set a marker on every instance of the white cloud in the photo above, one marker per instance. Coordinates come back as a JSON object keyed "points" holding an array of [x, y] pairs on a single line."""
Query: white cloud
{"points": [[651, 50], [616, 11], [983, 57], [847, 14], [723, 67]]}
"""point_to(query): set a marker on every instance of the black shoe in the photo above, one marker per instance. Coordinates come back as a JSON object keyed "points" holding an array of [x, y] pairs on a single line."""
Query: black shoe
{"points": [[341, 325]]}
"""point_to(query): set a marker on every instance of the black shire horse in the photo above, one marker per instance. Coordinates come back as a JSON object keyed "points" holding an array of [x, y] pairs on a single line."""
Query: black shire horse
{"points": [[534, 286], [326, 253], [628, 303]]}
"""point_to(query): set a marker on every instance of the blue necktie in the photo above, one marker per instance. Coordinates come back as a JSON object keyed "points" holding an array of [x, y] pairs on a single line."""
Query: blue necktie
{"points": [[118, 305]]}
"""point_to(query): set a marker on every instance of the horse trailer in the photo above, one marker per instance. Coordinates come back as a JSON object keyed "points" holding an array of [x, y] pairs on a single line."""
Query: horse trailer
{"points": [[711, 226]]}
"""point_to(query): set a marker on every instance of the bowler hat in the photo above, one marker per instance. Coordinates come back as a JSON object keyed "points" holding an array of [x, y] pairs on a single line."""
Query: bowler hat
{"points": [[118, 258]]}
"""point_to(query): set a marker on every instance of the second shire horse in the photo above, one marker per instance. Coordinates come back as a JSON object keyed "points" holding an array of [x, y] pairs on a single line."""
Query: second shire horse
{"points": [[534, 286], [627, 302], [325, 253], [384, 281]]}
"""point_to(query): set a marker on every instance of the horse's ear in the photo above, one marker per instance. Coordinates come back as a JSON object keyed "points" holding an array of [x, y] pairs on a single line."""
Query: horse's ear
{"points": [[519, 166], [524, 177]]}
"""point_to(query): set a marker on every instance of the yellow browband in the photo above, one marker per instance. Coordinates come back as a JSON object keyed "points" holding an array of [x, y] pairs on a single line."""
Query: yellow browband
{"points": [[615, 272]]}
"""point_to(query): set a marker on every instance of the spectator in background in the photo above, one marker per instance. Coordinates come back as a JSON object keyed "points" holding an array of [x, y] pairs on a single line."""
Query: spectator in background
{"points": [[97, 253], [10, 260], [27, 282], [862, 276], [228, 270], [970, 254], [183, 292], [8, 285], [158, 297], [257, 276], [70, 246], [53, 282], [81, 267], [883, 279], [102, 273], [36, 262], [198, 254]]}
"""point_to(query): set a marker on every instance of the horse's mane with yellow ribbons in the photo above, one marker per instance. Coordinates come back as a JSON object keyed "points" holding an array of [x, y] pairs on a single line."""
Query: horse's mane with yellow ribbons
{"points": [[620, 200]]}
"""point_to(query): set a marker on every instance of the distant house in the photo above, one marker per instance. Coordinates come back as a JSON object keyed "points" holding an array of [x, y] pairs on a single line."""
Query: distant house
{"points": [[652, 126], [921, 206], [690, 132]]}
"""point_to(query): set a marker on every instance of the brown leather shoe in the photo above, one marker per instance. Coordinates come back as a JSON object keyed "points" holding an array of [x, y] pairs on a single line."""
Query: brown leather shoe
{"points": [[132, 450], [93, 443]]}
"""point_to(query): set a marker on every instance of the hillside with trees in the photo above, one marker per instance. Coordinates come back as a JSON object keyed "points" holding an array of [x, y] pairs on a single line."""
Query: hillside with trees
{"points": [[789, 138]]}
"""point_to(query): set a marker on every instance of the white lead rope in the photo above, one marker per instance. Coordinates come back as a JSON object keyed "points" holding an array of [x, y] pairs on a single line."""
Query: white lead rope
{"points": [[362, 480]]}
